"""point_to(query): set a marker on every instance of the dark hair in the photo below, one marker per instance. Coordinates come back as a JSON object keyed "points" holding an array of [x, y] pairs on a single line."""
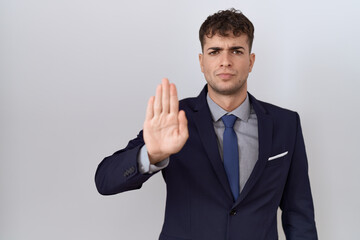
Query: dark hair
{"points": [[225, 22]]}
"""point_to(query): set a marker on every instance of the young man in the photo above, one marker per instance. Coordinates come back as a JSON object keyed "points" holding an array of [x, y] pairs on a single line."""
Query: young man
{"points": [[228, 160]]}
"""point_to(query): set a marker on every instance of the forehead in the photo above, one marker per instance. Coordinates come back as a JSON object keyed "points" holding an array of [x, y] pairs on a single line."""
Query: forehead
{"points": [[228, 41]]}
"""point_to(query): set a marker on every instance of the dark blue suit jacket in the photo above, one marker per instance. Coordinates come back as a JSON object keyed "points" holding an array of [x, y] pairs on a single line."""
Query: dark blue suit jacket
{"points": [[199, 203]]}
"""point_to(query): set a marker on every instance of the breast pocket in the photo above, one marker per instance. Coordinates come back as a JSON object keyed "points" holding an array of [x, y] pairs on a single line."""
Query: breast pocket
{"points": [[277, 159]]}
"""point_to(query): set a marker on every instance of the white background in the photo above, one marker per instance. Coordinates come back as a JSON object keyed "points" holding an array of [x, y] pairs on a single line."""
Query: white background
{"points": [[75, 77]]}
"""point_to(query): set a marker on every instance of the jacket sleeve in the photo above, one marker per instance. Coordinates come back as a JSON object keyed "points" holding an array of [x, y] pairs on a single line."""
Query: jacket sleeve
{"points": [[120, 171], [296, 203]]}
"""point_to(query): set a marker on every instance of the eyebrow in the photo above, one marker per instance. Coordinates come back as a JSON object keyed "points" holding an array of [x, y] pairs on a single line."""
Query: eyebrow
{"points": [[231, 48]]}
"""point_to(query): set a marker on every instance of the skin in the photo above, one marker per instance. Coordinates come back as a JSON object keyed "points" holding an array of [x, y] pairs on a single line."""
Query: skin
{"points": [[226, 63], [165, 127]]}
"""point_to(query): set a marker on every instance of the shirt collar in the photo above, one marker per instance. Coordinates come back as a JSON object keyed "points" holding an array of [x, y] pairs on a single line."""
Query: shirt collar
{"points": [[242, 111]]}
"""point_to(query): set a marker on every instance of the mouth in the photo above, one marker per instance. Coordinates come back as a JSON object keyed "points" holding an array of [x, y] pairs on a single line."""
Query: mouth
{"points": [[225, 76]]}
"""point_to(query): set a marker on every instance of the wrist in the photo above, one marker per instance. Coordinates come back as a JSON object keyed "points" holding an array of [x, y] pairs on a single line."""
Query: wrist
{"points": [[155, 158]]}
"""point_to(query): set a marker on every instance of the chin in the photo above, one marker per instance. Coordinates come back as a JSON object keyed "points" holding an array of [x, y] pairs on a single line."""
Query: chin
{"points": [[226, 90]]}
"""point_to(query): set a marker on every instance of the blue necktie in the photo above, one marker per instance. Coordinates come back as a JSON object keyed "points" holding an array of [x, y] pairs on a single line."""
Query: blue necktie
{"points": [[231, 154]]}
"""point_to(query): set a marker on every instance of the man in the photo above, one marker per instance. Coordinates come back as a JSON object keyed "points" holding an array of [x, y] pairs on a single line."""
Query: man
{"points": [[228, 160]]}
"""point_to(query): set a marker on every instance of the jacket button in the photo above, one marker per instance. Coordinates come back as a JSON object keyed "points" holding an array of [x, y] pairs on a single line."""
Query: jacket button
{"points": [[233, 212]]}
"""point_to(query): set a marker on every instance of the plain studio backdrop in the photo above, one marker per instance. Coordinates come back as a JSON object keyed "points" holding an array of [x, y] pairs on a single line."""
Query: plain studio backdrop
{"points": [[75, 77]]}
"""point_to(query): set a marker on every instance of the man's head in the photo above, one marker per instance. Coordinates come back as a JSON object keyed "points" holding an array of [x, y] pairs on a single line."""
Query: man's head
{"points": [[226, 59], [225, 23]]}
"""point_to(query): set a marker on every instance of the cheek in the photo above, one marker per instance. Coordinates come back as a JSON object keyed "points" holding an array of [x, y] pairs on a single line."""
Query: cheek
{"points": [[244, 66], [208, 66]]}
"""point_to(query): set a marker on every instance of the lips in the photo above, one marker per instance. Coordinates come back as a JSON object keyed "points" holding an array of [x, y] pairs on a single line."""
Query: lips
{"points": [[225, 75]]}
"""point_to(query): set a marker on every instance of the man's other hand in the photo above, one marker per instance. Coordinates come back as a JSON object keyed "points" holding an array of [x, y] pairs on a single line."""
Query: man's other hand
{"points": [[165, 127]]}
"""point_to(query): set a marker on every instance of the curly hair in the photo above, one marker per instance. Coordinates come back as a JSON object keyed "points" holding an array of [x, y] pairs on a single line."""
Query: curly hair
{"points": [[225, 22]]}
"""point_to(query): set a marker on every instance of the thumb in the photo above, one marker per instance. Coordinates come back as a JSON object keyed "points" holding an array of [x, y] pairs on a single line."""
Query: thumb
{"points": [[183, 124]]}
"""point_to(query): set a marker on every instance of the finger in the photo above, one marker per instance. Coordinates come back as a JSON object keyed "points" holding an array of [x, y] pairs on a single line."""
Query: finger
{"points": [[150, 109], [165, 96], [183, 125], [157, 102], [174, 102]]}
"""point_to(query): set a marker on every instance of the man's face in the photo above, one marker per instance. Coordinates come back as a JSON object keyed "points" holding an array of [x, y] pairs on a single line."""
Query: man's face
{"points": [[226, 64]]}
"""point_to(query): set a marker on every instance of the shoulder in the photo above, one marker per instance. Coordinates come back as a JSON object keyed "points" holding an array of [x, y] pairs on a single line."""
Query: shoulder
{"points": [[279, 115], [188, 103], [276, 110], [194, 103]]}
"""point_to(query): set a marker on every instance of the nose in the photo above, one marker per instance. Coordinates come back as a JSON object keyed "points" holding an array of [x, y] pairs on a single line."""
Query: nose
{"points": [[225, 60]]}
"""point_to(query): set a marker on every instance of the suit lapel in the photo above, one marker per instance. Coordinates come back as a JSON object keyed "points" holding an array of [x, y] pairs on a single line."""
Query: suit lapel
{"points": [[265, 131], [204, 124]]}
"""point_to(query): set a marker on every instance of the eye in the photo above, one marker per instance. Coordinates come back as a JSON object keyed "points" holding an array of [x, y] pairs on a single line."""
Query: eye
{"points": [[237, 52], [215, 52]]}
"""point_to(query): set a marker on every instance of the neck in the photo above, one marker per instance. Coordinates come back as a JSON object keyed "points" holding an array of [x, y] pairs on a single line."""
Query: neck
{"points": [[228, 102]]}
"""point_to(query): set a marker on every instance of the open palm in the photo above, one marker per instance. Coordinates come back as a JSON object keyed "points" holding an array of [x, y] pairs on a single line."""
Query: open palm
{"points": [[165, 127]]}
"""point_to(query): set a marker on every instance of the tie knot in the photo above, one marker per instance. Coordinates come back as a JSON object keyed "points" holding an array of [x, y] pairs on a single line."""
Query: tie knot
{"points": [[229, 120]]}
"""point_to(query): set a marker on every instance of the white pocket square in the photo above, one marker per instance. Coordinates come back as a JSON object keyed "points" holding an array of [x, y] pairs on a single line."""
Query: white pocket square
{"points": [[277, 156]]}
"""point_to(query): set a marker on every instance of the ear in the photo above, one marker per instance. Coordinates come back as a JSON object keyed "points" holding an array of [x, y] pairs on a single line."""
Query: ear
{"points": [[201, 62], [252, 61]]}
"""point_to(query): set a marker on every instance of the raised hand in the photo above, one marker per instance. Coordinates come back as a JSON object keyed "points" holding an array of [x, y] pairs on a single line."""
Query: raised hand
{"points": [[165, 127]]}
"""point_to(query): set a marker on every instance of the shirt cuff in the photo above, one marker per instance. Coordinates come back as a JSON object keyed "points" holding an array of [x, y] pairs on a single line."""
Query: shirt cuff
{"points": [[144, 162]]}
